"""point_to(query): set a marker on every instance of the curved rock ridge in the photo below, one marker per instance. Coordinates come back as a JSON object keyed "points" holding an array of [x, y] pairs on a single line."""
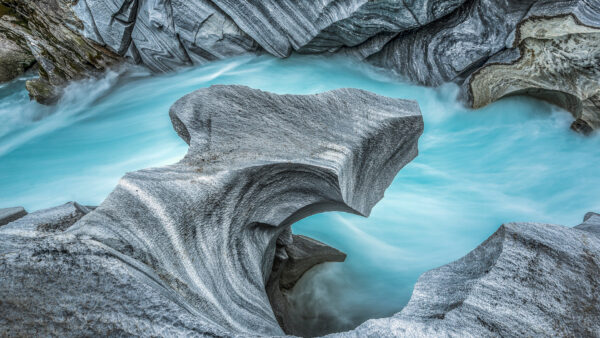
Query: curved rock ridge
{"points": [[526, 280], [189, 248]]}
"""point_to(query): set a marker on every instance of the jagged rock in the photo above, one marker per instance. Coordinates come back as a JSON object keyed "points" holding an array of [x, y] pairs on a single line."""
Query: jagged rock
{"points": [[526, 280], [292, 260], [14, 60], [542, 48], [48, 29], [45, 221], [187, 249], [8, 215]]}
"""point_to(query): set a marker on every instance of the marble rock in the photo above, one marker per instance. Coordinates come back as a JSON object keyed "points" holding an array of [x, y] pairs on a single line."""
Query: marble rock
{"points": [[554, 56], [45, 221], [188, 249], [163, 35], [526, 280], [8, 215]]}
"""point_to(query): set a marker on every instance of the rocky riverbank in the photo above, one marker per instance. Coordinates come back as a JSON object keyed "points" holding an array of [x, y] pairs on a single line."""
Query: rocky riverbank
{"points": [[543, 48]]}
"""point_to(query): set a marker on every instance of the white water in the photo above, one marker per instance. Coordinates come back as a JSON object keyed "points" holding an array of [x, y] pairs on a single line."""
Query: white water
{"points": [[515, 160]]}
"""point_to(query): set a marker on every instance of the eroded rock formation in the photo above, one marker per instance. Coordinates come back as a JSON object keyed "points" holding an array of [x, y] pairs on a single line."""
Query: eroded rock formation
{"points": [[526, 280], [188, 249]]}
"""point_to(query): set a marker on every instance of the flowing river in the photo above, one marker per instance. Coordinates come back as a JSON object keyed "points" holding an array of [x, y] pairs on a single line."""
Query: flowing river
{"points": [[515, 160]]}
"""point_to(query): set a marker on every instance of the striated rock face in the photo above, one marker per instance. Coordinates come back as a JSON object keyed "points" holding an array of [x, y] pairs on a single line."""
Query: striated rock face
{"points": [[47, 30], [188, 249], [163, 34], [555, 59], [527, 280], [543, 48]]}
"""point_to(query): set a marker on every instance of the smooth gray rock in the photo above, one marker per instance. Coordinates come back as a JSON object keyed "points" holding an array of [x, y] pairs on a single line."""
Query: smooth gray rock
{"points": [[187, 249], [526, 280], [8, 215]]}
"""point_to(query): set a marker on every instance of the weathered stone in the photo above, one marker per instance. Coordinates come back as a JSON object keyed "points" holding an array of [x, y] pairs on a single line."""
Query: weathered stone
{"points": [[8, 215], [187, 249], [526, 280], [48, 29], [14, 59], [555, 59], [46, 221]]}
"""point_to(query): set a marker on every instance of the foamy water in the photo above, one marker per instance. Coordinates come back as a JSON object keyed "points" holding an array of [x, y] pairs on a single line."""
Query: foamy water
{"points": [[515, 160]]}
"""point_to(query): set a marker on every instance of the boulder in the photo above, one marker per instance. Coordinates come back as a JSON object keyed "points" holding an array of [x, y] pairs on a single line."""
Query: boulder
{"points": [[45, 221]]}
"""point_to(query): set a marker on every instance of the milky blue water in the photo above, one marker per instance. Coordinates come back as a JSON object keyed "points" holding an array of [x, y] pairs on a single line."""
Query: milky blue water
{"points": [[515, 160]]}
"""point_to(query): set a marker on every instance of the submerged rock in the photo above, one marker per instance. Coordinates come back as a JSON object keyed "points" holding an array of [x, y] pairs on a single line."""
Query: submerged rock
{"points": [[527, 279], [8, 215], [188, 249], [292, 260]]}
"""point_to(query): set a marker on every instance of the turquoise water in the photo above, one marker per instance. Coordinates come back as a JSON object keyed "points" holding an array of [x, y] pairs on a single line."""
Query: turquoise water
{"points": [[515, 160]]}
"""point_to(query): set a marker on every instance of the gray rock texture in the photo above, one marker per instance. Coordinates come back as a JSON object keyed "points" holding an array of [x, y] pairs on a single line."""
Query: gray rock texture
{"points": [[8, 215], [526, 280], [188, 249]]}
